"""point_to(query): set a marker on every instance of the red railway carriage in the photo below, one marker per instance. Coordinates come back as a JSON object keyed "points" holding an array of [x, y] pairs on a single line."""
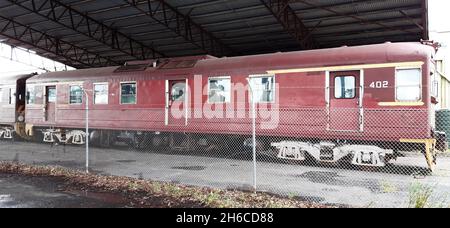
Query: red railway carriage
{"points": [[359, 103], [12, 104]]}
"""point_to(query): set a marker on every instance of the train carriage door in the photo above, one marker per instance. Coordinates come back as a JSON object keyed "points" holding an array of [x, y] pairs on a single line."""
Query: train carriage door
{"points": [[50, 104], [176, 102], [20, 100], [345, 102]]}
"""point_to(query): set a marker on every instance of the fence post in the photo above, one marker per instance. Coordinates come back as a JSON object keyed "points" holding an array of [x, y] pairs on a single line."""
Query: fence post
{"points": [[87, 130], [253, 133]]}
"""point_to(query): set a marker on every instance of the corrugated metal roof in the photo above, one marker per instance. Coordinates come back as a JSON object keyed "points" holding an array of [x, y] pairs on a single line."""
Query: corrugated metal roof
{"points": [[243, 27]]}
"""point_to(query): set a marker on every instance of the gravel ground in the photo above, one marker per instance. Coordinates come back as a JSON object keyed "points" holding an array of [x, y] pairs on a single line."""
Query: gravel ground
{"points": [[25, 186], [322, 184]]}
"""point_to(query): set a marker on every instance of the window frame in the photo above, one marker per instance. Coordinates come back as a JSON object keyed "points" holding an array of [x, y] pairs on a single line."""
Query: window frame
{"points": [[120, 92], [45, 94], [70, 91], [181, 98], [28, 95], [253, 76], [355, 87], [229, 92], [435, 90], [12, 100], [435, 81], [420, 84], [107, 92]]}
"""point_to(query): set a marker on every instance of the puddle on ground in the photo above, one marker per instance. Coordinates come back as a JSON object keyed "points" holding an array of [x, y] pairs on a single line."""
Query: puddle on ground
{"points": [[320, 176], [314, 199], [190, 168], [126, 161], [5, 198], [108, 198], [334, 179]]}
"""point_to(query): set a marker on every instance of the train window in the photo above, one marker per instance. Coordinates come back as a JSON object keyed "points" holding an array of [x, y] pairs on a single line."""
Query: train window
{"points": [[408, 84], [101, 93], [128, 93], [178, 91], [435, 89], [219, 90], [345, 87], [12, 96], [76, 95], [435, 78], [51, 94], [31, 95], [263, 88]]}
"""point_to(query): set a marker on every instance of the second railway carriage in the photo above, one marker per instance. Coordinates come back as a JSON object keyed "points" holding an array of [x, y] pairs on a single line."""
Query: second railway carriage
{"points": [[12, 104], [357, 103]]}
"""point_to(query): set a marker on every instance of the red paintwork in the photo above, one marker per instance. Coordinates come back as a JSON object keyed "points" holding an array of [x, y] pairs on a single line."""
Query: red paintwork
{"points": [[301, 96], [348, 108]]}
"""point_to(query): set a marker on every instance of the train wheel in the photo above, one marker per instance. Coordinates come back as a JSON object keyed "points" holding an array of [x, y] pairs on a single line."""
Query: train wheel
{"points": [[137, 142], [38, 137], [158, 143]]}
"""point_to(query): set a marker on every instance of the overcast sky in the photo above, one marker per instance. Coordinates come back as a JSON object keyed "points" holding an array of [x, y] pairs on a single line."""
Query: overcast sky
{"points": [[439, 13]]}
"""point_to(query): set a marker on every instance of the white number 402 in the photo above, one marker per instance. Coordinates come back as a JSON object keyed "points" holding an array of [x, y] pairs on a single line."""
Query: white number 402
{"points": [[379, 85]]}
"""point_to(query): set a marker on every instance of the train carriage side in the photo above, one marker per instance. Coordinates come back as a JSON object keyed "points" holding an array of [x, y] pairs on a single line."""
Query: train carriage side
{"points": [[126, 103], [12, 105], [363, 103], [380, 101], [358, 103]]}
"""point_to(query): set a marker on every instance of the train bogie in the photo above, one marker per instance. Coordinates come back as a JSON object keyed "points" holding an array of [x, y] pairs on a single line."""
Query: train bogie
{"points": [[361, 155], [75, 137], [6, 133]]}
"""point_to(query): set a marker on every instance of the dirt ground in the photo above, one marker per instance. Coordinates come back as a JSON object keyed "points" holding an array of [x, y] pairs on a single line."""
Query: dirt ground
{"points": [[18, 191], [25, 186], [322, 184]]}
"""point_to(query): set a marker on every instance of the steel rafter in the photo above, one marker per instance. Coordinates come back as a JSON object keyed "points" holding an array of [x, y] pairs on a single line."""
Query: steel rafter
{"points": [[425, 35], [54, 11], [168, 16], [305, 20], [354, 17], [291, 22], [50, 44]]}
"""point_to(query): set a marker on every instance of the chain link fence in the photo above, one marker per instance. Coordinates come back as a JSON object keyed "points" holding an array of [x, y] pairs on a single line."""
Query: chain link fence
{"points": [[340, 156]]}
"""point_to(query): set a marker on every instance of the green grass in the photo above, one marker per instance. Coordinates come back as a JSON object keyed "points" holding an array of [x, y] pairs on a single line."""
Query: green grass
{"points": [[423, 196], [420, 195], [388, 187]]}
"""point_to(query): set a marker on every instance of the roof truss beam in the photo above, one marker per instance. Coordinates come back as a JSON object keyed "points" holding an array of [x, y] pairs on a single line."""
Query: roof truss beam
{"points": [[54, 11], [425, 35], [166, 15], [291, 22], [40, 40], [355, 17]]}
